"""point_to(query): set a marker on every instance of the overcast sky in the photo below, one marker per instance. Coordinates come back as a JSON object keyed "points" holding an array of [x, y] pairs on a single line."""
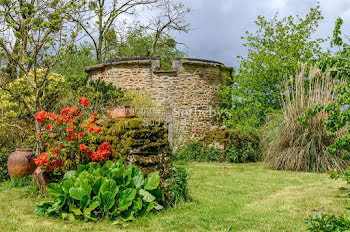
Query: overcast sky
{"points": [[219, 24]]}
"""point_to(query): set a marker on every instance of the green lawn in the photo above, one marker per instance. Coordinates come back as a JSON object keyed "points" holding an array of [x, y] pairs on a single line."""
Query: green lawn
{"points": [[226, 197]]}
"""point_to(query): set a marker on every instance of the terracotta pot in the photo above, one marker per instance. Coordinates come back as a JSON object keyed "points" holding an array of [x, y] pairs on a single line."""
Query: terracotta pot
{"points": [[121, 112], [21, 163], [41, 179]]}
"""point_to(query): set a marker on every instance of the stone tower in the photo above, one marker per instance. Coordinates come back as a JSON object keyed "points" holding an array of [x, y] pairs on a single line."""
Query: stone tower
{"points": [[187, 94]]}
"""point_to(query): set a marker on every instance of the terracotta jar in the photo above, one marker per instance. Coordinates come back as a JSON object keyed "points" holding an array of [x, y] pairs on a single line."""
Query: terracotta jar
{"points": [[21, 163]]}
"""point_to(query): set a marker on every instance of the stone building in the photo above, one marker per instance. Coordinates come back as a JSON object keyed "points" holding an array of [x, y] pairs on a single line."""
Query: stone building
{"points": [[186, 95]]}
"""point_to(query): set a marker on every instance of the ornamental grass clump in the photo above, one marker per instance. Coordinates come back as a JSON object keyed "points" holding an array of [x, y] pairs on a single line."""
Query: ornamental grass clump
{"points": [[289, 144], [113, 191]]}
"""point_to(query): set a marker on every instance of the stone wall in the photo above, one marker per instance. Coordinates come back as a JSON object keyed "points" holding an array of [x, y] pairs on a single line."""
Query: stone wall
{"points": [[187, 95]]}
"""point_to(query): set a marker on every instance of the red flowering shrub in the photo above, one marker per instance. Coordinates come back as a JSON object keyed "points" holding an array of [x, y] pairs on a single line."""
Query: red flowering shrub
{"points": [[64, 138], [41, 116], [84, 101]]}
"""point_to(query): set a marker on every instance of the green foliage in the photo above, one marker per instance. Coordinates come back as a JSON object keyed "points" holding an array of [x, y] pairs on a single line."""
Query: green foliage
{"points": [[72, 66], [328, 223], [237, 151], [340, 60], [112, 191], [73, 63], [18, 97], [4, 175], [178, 190], [138, 43], [274, 51]]}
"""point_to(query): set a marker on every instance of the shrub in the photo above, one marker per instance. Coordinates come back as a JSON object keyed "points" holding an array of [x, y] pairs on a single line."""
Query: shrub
{"points": [[178, 190], [222, 145], [328, 223], [289, 145], [4, 175], [64, 136], [112, 191]]}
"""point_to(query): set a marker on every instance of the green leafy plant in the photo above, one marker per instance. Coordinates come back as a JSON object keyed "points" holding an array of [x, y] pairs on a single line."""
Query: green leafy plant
{"points": [[328, 223], [112, 191], [178, 190]]}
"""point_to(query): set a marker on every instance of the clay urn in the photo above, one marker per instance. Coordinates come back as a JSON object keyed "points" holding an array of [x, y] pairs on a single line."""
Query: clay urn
{"points": [[41, 179], [21, 163], [121, 112]]}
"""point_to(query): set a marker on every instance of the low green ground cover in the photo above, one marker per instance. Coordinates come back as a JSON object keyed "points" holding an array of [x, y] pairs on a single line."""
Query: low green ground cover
{"points": [[225, 197]]}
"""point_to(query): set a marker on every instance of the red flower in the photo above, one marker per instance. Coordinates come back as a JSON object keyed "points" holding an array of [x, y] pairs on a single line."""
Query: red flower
{"points": [[71, 138], [49, 127], [84, 101], [81, 134], [70, 130], [41, 160], [90, 127], [82, 147], [97, 129], [41, 116]]}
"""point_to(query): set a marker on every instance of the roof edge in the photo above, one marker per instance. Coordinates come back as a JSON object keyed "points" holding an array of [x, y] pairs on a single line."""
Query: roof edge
{"points": [[148, 60]]}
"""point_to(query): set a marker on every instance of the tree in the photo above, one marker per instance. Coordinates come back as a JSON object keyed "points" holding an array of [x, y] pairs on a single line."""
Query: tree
{"points": [[99, 21], [274, 51], [33, 36], [138, 42], [97, 18], [172, 17]]}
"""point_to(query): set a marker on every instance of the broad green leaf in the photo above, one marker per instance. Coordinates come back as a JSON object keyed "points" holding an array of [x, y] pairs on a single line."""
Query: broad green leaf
{"points": [[127, 176], [68, 216], [138, 204], [108, 200], [158, 206], [78, 193], [67, 185], [84, 201], [41, 208], [149, 207], [124, 204], [109, 164], [54, 189], [147, 196], [129, 215], [152, 181], [128, 194], [109, 186], [88, 210], [74, 209], [117, 173], [55, 208], [138, 181], [81, 168], [97, 185], [69, 174]]}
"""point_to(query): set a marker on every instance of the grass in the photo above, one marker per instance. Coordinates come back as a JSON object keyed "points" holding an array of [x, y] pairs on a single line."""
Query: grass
{"points": [[226, 197]]}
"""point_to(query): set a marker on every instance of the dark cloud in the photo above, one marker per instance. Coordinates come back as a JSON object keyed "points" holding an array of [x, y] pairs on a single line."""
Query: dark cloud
{"points": [[219, 24]]}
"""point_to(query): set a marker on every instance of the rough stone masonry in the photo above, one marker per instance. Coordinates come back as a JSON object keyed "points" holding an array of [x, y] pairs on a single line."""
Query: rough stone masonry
{"points": [[187, 93]]}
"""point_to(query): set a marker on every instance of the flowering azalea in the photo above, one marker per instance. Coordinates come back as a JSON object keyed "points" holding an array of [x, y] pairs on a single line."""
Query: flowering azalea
{"points": [[49, 127], [81, 134], [82, 147], [97, 129], [84, 101], [70, 130], [69, 126], [41, 116]]}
